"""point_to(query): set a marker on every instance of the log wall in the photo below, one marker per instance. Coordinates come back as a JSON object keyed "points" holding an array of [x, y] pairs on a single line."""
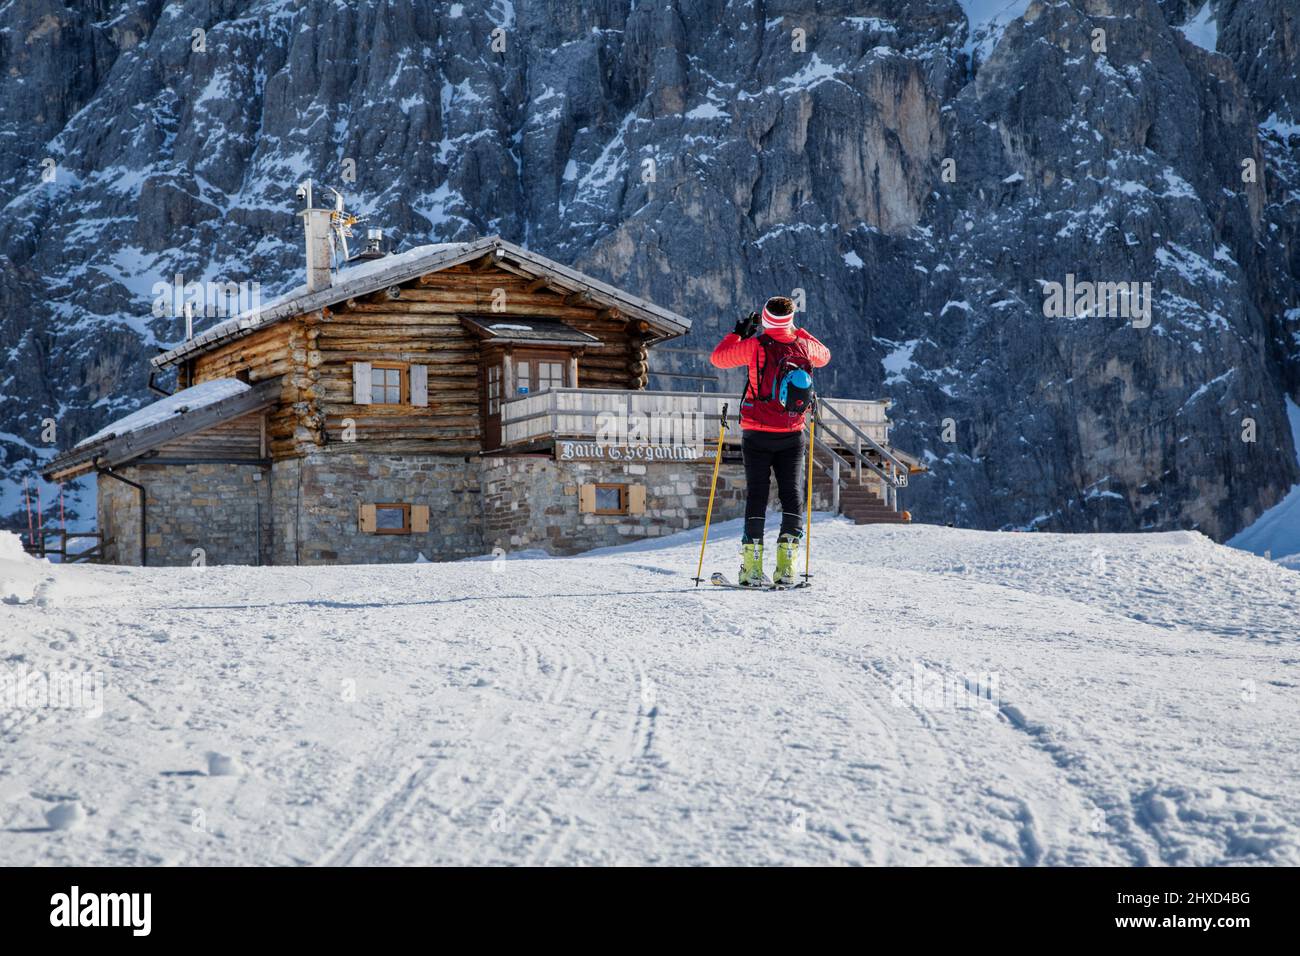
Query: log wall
{"points": [[315, 352], [240, 439], [264, 354]]}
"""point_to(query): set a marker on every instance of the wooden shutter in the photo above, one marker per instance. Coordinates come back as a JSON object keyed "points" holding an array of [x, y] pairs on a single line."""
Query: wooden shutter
{"points": [[636, 500], [360, 383], [419, 518], [366, 517], [587, 499], [419, 376]]}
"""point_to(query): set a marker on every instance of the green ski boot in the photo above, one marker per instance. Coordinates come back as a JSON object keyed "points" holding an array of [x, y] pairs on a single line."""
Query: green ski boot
{"points": [[787, 546], [751, 565]]}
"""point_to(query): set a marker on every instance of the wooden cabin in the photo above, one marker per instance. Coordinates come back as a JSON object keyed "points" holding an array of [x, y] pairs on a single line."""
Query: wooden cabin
{"points": [[450, 401]]}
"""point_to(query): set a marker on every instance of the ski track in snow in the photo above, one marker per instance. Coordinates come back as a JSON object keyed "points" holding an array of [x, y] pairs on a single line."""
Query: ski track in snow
{"points": [[601, 710]]}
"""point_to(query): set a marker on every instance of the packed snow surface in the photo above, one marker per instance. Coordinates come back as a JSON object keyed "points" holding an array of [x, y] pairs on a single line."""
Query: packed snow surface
{"points": [[940, 697]]}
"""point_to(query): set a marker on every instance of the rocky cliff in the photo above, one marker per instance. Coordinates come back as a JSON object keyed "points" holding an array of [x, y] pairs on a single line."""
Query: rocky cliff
{"points": [[926, 171]]}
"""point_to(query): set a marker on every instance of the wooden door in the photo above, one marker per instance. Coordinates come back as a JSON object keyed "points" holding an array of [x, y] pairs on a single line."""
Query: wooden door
{"points": [[514, 373]]}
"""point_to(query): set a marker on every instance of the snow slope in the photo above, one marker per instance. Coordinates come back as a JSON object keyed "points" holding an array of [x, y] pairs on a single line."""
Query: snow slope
{"points": [[1277, 530], [1140, 707], [1202, 29], [986, 20]]}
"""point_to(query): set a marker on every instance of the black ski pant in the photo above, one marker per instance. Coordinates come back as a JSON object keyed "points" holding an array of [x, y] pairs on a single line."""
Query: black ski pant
{"points": [[768, 453]]}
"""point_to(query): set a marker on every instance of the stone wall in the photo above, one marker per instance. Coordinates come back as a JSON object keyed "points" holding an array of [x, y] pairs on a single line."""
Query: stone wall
{"points": [[118, 508], [310, 507], [532, 501], [317, 501], [214, 507]]}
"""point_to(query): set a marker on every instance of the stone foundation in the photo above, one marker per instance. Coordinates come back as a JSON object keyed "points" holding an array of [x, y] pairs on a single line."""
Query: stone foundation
{"points": [[310, 507], [532, 502], [318, 499], [212, 507]]}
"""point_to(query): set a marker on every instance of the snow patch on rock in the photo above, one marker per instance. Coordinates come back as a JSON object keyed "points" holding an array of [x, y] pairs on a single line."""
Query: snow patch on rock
{"points": [[1203, 29]]}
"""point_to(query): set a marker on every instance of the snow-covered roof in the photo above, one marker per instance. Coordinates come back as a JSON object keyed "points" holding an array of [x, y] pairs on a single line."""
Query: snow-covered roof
{"points": [[190, 410], [374, 274], [186, 400]]}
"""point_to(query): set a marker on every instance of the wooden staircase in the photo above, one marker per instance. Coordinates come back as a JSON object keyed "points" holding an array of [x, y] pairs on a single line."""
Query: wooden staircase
{"points": [[858, 502], [856, 474]]}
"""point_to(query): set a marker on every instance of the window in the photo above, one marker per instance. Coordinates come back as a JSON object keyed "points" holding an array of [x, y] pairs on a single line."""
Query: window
{"points": [[611, 499], [392, 519], [386, 384], [550, 375], [494, 389], [536, 372]]}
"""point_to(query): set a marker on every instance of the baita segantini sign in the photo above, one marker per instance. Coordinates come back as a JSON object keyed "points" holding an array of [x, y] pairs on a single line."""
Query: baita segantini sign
{"points": [[611, 451]]}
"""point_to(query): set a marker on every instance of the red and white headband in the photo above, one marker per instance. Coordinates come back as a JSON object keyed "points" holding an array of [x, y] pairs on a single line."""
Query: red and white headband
{"points": [[771, 321]]}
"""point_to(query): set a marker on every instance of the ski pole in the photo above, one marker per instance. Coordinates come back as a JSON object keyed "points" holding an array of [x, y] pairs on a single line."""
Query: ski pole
{"points": [[708, 514], [807, 534]]}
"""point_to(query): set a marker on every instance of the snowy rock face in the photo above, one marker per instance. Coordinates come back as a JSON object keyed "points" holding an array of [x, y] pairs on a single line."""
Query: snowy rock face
{"points": [[923, 170]]}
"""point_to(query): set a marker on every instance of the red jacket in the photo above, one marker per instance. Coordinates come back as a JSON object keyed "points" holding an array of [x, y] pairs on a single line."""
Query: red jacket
{"points": [[733, 352]]}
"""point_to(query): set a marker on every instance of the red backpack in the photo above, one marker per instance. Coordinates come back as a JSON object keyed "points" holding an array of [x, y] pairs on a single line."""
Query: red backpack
{"points": [[785, 385]]}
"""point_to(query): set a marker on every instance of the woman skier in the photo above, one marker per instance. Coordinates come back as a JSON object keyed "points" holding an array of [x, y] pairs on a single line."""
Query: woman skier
{"points": [[773, 412]]}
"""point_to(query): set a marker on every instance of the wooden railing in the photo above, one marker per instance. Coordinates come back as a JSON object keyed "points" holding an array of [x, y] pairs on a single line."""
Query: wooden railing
{"points": [[41, 547], [659, 417]]}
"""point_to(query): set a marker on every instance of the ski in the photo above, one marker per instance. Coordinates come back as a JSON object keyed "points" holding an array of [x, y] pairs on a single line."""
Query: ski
{"points": [[718, 579]]}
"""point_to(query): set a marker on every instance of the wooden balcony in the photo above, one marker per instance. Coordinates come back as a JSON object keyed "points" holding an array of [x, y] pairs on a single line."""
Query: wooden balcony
{"points": [[537, 421]]}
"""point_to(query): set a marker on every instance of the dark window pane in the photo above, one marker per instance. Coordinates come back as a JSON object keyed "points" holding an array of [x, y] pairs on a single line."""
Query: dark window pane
{"points": [[390, 519], [608, 499]]}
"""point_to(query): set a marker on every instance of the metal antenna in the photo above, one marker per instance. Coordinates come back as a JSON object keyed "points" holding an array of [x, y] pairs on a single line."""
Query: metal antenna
{"points": [[341, 223]]}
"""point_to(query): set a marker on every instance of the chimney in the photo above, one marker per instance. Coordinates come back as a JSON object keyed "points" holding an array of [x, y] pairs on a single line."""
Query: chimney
{"points": [[320, 249]]}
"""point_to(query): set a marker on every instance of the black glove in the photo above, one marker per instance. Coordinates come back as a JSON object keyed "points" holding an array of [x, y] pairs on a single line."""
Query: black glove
{"points": [[747, 326]]}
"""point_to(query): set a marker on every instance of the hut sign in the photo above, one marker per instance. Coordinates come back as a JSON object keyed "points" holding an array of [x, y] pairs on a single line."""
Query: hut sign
{"points": [[605, 451]]}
